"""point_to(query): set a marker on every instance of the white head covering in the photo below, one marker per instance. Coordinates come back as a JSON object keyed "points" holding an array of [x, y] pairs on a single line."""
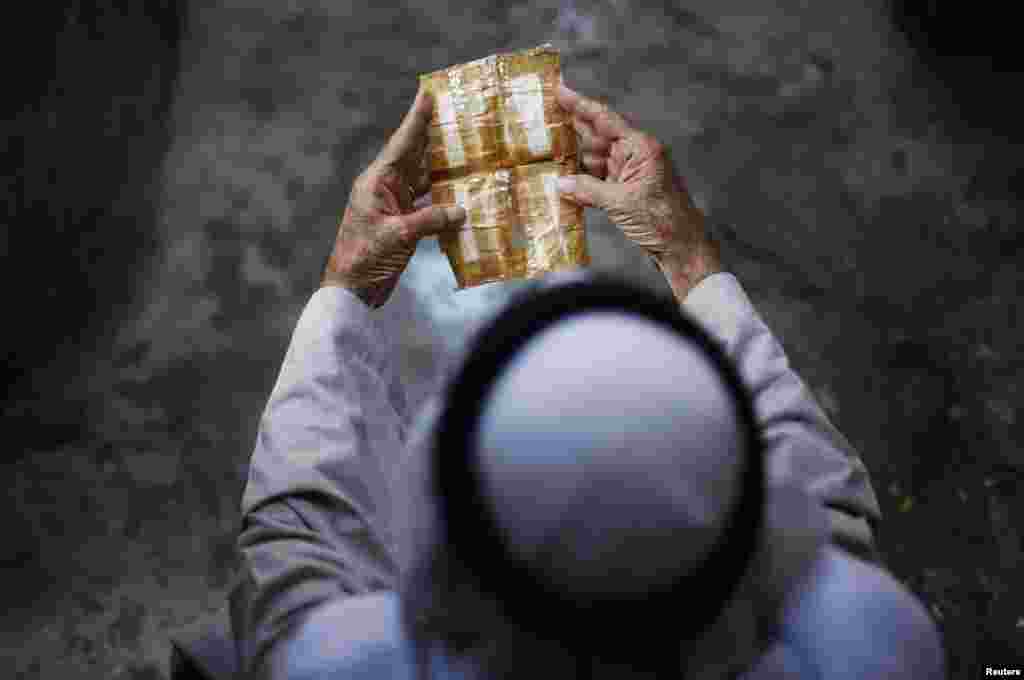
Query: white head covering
{"points": [[616, 457]]}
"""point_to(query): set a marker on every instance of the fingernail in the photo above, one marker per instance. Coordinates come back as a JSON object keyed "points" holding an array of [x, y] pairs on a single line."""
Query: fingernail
{"points": [[566, 184], [455, 215]]}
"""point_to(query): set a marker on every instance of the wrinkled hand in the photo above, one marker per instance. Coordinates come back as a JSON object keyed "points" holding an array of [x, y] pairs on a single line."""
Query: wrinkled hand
{"points": [[380, 230], [630, 176]]}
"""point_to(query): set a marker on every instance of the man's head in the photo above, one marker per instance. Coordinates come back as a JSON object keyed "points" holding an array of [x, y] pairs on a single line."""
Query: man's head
{"points": [[607, 450], [595, 461]]}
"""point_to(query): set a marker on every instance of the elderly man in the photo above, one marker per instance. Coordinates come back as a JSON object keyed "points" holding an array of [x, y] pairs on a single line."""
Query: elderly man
{"points": [[610, 484]]}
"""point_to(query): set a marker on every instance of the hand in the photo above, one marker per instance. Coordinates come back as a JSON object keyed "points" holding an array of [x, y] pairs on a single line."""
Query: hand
{"points": [[379, 231], [631, 177]]}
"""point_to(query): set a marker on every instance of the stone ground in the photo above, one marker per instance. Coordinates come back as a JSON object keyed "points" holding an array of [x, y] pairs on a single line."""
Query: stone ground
{"points": [[877, 237]]}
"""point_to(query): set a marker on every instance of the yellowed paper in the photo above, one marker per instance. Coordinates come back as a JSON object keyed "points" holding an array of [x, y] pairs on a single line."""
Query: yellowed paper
{"points": [[498, 140]]}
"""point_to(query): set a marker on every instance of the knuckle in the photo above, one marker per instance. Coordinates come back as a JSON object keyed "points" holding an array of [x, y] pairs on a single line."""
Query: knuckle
{"points": [[652, 145], [607, 115], [368, 180], [597, 108], [404, 233]]}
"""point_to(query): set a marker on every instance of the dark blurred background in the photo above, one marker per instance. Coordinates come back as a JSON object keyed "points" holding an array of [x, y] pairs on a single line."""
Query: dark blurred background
{"points": [[174, 176]]}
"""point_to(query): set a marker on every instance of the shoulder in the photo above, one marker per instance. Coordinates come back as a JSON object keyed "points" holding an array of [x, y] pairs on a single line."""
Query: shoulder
{"points": [[851, 619]]}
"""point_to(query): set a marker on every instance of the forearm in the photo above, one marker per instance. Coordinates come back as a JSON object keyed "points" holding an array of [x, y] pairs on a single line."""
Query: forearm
{"points": [[314, 520], [802, 444], [336, 417]]}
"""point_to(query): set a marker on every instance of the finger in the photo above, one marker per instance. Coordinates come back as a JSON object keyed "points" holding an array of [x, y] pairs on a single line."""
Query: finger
{"points": [[604, 121], [607, 123], [411, 136], [589, 139], [595, 164], [423, 201], [589, 191], [430, 221], [421, 181], [620, 154], [565, 97]]}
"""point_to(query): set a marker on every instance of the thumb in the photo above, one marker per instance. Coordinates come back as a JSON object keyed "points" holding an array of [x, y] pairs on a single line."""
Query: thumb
{"points": [[433, 220], [587, 190]]}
